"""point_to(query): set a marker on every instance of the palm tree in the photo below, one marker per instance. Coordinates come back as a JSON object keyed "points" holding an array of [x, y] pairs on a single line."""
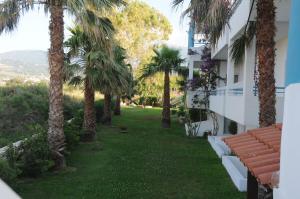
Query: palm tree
{"points": [[118, 81], [165, 60], [264, 29], [120, 57], [10, 11], [80, 69], [209, 16], [265, 44]]}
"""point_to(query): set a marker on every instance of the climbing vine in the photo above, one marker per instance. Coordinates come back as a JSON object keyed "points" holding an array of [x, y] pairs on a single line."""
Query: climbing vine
{"points": [[207, 82]]}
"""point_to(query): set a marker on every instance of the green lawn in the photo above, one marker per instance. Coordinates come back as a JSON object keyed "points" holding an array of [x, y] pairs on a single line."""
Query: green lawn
{"points": [[147, 163]]}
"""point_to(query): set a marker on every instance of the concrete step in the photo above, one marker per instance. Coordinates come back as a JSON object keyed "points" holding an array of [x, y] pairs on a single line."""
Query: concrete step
{"points": [[237, 172]]}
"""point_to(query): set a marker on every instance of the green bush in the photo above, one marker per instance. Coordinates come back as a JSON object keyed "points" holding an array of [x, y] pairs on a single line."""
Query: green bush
{"points": [[99, 104], [173, 111], [148, 101], [25, 104], [72, 130], [4, 142], [7, 173], [195, 115], [99, 108], [151, 101], [71, 107], [21, 105], [181, 111], [33, 156]]}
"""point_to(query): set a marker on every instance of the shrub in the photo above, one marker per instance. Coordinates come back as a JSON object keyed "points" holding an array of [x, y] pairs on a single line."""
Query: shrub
{"points": [[21, 105], [194, 115], [173, 111], [7, 173], [33, 156], [99, 108], [232, 128], [26, 104], [71, 107], [4, 142], [181, 111], [99, 104], [151, 101], [72, 129]]}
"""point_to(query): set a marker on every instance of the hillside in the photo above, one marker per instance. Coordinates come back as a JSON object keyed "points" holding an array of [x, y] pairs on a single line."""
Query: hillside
{"points": [[24, 64]]}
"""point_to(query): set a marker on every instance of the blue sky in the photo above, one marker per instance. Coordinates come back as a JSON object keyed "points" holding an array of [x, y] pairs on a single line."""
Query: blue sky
{"points": [[32, 30]]}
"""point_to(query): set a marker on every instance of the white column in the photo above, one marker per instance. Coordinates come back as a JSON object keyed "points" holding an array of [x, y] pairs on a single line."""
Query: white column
{"points": [[230, 68], [191, 68], [289, 186], [250, 101]]}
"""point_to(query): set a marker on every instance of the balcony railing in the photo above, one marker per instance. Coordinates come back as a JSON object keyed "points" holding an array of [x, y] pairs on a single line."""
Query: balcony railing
{"points": [[279, 90], [218, 91], [236, 91]]}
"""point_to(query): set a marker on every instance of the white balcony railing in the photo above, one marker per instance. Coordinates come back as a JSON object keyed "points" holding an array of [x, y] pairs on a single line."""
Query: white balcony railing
{"points": [[217, 100], [235, 103], [193, 98], [229, 102]]}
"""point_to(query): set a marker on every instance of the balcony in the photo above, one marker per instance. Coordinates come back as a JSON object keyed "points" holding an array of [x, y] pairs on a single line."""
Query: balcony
{"points": [[229, 102], [193, 97], [216, 101], [234, 103]]}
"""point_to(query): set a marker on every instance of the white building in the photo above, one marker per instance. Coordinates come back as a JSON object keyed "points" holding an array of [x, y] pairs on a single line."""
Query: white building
{"points": [[237, 99]]}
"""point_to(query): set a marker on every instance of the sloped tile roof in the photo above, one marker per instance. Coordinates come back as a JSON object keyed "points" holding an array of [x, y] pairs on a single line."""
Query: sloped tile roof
{"points": [[259, 150]]}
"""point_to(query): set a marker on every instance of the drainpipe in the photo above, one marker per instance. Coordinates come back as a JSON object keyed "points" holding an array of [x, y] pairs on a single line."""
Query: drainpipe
{"points": [[290, 142], [191, 42]]}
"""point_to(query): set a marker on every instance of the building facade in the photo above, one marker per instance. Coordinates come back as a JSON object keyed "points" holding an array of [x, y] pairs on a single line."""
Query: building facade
{"points": [[236, 99]]}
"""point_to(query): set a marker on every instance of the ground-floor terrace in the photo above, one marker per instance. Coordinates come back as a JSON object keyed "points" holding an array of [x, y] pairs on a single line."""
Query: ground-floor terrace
{"points": [[146, 162]]}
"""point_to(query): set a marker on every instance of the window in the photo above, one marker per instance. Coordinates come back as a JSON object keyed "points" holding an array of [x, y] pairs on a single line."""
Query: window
{"points": [[236, 78], [203, 115]]}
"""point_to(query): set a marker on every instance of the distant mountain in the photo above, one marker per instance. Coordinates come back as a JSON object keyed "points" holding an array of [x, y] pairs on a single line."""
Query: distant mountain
{"points": [[25, 63]]}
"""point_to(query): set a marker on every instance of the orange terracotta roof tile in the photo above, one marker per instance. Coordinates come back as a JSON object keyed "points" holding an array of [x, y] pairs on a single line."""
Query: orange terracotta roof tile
{"points": [[259, 150]]}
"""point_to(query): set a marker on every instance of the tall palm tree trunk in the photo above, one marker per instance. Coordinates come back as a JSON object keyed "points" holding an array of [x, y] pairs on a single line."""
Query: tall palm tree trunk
{"points": [[266, 61], [56, 138], [107, 109], [117, 110], [166, 121], [89, 123]]}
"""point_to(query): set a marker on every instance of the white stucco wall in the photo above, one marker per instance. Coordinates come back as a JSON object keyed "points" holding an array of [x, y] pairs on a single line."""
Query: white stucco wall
{"points": [[222, 73], [281, 52], [239, 18], [290, 157], [6, 192], [244, 108], [239, 70]]}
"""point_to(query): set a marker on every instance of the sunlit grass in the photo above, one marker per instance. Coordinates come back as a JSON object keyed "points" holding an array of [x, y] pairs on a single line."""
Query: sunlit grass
{"points": [[77, 93]]}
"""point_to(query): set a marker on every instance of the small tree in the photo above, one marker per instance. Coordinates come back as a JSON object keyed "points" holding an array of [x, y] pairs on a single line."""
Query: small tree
{"points": [[165, 60], [115, 79], [81, 68], [207, 80]]}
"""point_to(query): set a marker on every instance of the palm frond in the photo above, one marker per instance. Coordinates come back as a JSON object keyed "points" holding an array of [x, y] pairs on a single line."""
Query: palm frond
{"points": [[237, 49], [210, 16], [164, 58]]}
